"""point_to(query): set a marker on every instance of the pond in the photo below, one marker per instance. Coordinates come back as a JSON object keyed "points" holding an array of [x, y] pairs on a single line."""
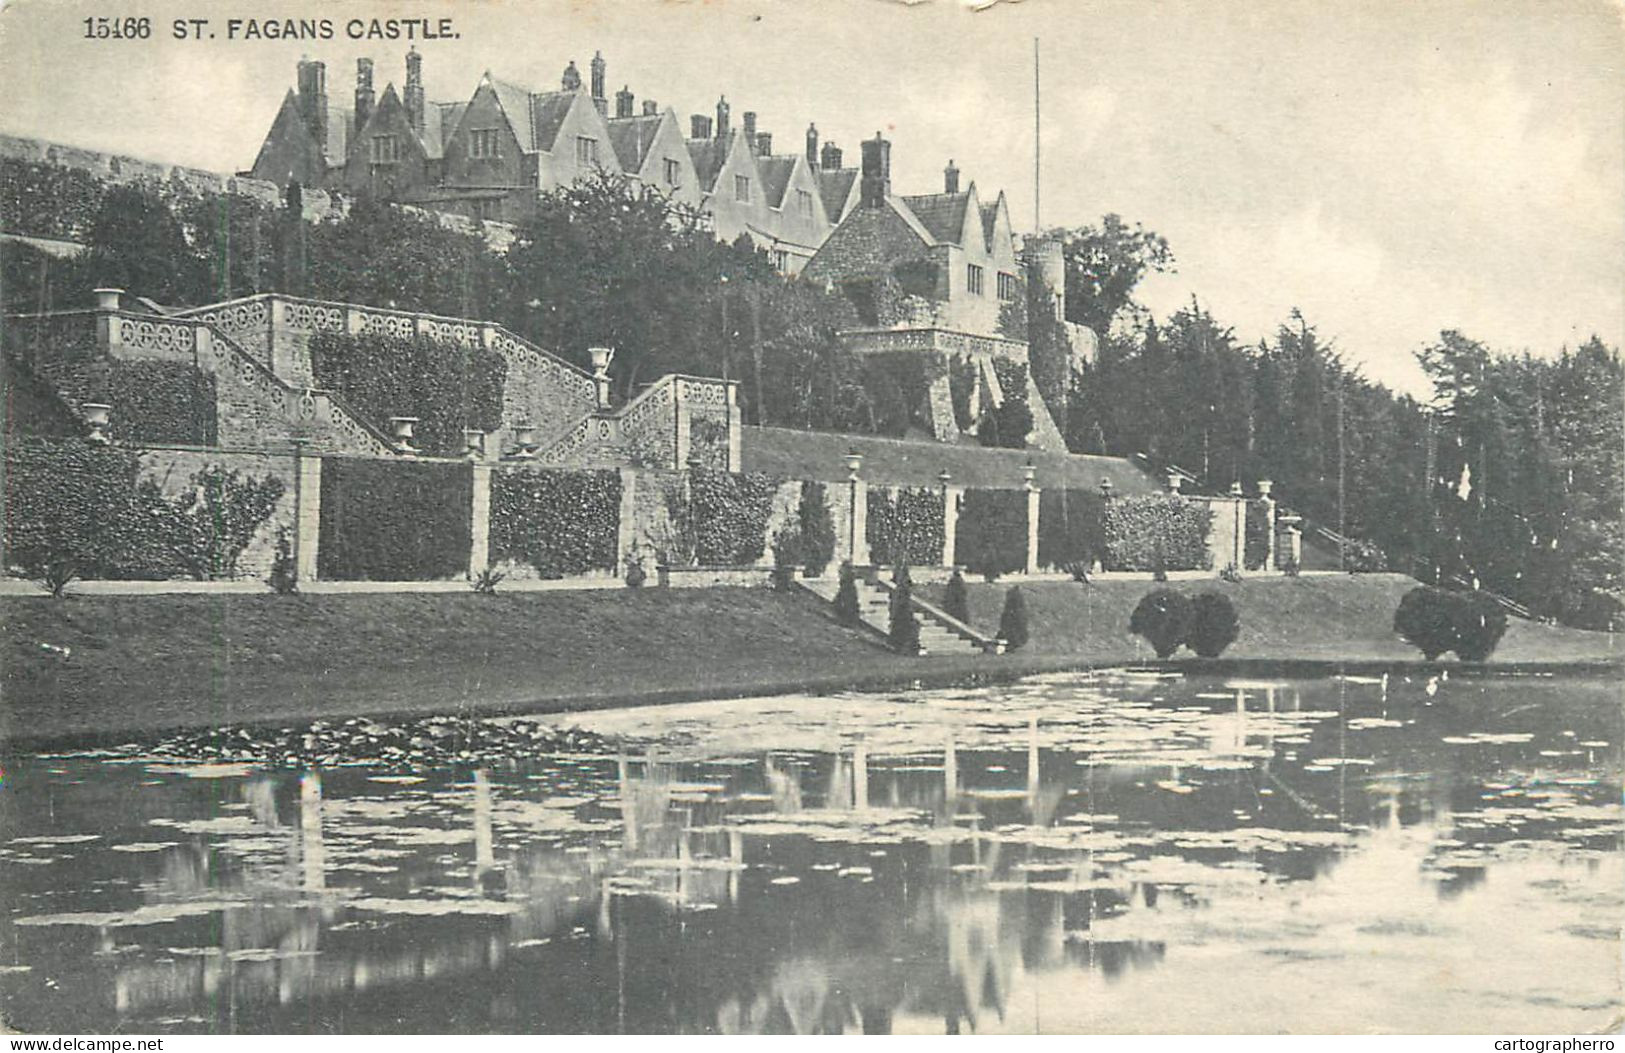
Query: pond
{"points": [[1106, 852]]}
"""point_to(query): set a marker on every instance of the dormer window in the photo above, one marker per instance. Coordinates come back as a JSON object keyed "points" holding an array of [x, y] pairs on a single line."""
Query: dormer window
{"points": [[482, 142], [741, 188], [386, 149], [586, 151], [671, 171]]}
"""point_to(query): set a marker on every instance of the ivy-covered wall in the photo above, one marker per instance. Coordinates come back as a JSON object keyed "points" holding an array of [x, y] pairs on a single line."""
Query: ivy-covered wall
{"points": [[110, 512], [1155, 531], [905, 525], [162, 401], [448, 386], [1258, 534], [730, 513], [394, 520], [991, 534], [1069, 528], [553, 523]]}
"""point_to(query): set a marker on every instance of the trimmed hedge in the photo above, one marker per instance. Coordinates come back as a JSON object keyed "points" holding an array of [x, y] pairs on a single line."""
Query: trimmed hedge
{"points": [[1214, 624], [729, 513], [560, 521], [1013, 620], [448, 387], [394, 520], [1069, 527], [84, 510], [1435, 620], [1256, 546], [1157, 532], [991, 535], [162, 402], [817, 528], [905, 528], [1163, 617]]}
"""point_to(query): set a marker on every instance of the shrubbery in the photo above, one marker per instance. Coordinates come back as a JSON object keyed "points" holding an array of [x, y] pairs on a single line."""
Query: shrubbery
{"points": [[1069, 527], [907, 528], [904, 631], [817, 529], [158, 401], [991, 537], [394, 520], [956, 601], [1013, 621], [847, 611], [1213, 625], [729, 514], [1163, 617], [1435, 621], [560, 521], [1157, 532]]}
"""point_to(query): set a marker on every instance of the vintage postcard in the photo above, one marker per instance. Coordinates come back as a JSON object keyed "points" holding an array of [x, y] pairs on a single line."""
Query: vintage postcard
{"points": [[946, 517]]}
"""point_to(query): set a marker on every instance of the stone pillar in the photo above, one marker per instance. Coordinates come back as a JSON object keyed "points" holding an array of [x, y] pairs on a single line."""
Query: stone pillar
{"points": [[736, 432], [626, 535], [276, 337], [857, 516], [479, 526], [679, 404], [1293, 535], [951, 496], [108, 337], [1238, 554], [352, 321], [1033, 493], [307, 530], [1265, 486]]}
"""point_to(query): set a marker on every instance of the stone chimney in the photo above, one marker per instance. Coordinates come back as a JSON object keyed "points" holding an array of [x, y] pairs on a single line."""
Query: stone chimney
{"points": [[364, 98], [650, 108], [830, 156], [312, 96], [876, 172], [699, 127], [412, 97], [723, 110], [750, 129], [571, 81], [623, 102], [950, 178], [599, 69], [764, 144], [812, 146]]}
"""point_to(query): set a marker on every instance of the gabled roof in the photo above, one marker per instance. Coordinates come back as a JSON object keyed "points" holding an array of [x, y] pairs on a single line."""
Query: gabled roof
{"points": [[515, 102], [942, 214], [633, 137], [776, 171], [835, 187], [990, 217], [440, 120], [709, 156], [549, 109]]}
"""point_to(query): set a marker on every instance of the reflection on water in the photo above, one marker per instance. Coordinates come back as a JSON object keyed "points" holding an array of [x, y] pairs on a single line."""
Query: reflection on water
{"points": [[1108, 852]]}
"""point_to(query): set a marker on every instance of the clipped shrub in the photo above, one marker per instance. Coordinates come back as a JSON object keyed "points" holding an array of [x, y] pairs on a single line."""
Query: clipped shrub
{"points": [[1480, 625], [1157, 532], [1013, 622], [817, 529], [906, 528], [991, 538], [448, 386], [1163, 617], [846, 598], [956, 601], [560, 521], [729, 515], [1230, 574], [1426, 619], [904, 632], [786, 551], [1214, 624], [395, 520]]}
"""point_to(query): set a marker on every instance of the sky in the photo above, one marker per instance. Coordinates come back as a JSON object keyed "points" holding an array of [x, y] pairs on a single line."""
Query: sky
{"points": [[1391, 168]]}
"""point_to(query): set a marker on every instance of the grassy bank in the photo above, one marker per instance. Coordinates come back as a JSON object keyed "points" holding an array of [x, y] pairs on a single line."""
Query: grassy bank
{"points": [[1342, 618], [146, 663]]}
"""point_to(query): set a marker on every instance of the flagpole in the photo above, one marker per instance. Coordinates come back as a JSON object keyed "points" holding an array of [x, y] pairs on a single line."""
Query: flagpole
{"points": [[1038, 224]]}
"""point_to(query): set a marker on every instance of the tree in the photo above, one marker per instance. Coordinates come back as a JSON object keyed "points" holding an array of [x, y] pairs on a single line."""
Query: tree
{"points": [[956, 600], [1013, 621], [904, 632], [1104, 265], [847, 611]]}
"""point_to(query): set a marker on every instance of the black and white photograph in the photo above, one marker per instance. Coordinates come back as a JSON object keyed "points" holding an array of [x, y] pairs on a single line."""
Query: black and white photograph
{"points": [[717, 517]]}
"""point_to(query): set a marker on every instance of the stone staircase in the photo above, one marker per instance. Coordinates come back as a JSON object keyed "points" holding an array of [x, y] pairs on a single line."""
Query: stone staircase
{"points": [[940, 634]]}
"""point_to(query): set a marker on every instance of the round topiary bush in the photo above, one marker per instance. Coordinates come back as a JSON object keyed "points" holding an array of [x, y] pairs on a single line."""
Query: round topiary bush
{"points": [[1214, 624], [1162, 617], [1479, 627], [1427, 618], [1013, 622]]}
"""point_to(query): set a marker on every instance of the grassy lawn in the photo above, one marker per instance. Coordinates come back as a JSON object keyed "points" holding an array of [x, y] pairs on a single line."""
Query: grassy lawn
{"points": [[147, 663], [1331, 618]]}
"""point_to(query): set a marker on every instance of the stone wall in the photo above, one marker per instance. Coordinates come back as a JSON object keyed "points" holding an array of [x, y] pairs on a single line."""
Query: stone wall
{"points": [[173, 470]]}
